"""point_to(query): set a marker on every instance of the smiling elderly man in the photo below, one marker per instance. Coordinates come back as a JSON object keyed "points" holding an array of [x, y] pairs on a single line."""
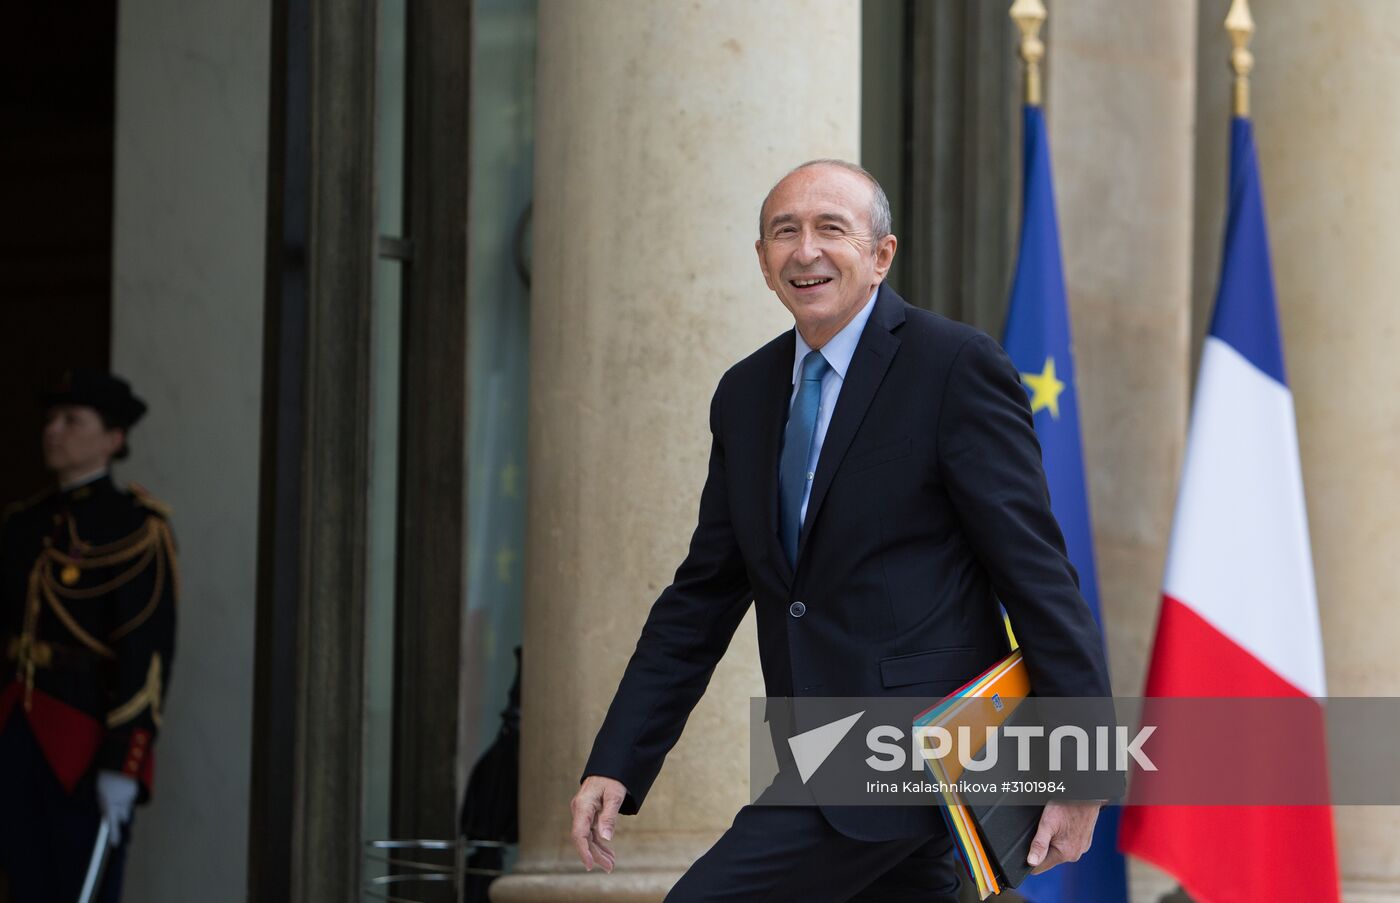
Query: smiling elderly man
{"points": [[875, 489]]}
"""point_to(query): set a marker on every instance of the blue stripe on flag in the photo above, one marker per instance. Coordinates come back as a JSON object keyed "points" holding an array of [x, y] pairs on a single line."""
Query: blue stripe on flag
{"points": [[1246, 317]]}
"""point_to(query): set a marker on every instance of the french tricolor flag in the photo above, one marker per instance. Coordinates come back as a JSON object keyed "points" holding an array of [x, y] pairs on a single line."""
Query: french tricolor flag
{"points": [[1239, 604]]}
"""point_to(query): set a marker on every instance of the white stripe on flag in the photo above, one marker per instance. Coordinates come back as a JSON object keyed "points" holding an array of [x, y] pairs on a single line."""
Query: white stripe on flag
{"points": [[1240, 555]]}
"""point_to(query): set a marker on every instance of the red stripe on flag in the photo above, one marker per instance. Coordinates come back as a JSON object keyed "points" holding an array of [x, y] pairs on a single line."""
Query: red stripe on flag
{"points": [[1228, 854], [1191, 658], [1238, 854]]}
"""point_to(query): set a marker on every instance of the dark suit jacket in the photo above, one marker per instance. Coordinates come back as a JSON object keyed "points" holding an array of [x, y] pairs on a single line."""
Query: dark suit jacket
{"points": [[928, 506]]}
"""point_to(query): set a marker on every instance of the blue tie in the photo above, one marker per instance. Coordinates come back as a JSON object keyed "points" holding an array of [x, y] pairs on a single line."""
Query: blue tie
{"points": [[793, 475]]}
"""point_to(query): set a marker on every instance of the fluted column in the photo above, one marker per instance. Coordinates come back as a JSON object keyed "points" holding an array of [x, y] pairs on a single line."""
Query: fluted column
{"points": [[661, 126], [1327, 148]]}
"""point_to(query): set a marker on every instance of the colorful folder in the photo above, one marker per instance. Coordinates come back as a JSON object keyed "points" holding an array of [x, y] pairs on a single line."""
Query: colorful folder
{"points": [[992, 841]]}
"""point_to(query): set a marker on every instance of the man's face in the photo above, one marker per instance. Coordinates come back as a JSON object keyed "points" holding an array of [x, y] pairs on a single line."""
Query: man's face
{"points": [[818, 251], [76, 441]]}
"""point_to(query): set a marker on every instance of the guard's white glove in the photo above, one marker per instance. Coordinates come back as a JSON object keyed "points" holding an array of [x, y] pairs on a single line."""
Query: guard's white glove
{"points": [[116, 794]]}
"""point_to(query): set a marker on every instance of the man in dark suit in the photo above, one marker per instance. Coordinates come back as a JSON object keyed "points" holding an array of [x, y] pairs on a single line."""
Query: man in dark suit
{"points": [[874, 488]]}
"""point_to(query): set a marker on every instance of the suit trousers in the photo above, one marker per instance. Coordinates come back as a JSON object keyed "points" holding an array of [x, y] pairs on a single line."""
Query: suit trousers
{"points": [[772, 854], [47, 834]]}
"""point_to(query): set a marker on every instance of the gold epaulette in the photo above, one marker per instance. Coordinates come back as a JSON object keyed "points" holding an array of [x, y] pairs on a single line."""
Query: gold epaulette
{"points": [[146, 500], [16, 507]]}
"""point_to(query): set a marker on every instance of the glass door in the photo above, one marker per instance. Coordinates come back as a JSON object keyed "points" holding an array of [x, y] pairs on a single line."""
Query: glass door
{"points": [[382, 552]]}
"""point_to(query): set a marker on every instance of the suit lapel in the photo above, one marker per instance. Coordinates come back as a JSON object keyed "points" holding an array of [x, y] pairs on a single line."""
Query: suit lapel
{"points": [[874, 352], [777, 394]]}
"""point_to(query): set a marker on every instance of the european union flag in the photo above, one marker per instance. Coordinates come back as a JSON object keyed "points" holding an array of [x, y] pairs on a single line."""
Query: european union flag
{"points": [[1038, 340]]}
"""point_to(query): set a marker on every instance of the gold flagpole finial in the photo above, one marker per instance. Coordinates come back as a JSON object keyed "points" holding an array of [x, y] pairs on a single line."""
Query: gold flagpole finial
{"points": [[1240, 26], [1029, 15]]}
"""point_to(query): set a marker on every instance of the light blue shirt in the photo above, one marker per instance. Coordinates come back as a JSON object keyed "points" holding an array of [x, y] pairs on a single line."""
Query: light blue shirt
{"points": [[838, 353]]}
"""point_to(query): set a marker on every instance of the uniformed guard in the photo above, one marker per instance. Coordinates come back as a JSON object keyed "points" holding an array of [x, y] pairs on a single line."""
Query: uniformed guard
{"points": [[88, 585]]}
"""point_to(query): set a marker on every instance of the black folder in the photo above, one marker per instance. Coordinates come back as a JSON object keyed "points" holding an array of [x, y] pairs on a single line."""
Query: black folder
{"points": [[1007, 830]]}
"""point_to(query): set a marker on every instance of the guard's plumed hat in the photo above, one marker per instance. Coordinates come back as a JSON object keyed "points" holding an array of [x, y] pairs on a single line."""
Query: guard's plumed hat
{"points": [[110, 395]]}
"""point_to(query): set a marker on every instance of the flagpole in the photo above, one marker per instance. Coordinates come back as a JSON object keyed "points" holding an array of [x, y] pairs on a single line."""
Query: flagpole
{"points": [[1029, 15], [1239, 24]]}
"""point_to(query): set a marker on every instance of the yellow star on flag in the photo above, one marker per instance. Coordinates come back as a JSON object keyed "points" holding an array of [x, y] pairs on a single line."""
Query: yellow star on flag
{"points": [[505, 564], [1045, 389], [509, 473]]}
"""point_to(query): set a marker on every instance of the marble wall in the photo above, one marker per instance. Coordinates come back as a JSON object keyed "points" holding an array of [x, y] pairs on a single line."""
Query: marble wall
{"points": [[1328, 160], [1120, 103], [191, 164]]}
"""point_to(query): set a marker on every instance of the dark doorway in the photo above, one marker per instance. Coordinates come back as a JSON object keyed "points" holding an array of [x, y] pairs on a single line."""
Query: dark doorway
{"points": [[57, 103], [940, 130]]}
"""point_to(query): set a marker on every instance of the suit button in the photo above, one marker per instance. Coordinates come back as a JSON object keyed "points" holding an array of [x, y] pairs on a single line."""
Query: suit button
{"points": [[797, 609]]}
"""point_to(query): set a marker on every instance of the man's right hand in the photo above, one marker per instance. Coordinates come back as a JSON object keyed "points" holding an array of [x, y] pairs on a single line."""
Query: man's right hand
{"points": [[595, 809]]}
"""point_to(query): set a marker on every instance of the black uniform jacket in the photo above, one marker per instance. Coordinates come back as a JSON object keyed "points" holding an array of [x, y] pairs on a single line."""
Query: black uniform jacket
{"points": [[928, 506], [88, 584]]}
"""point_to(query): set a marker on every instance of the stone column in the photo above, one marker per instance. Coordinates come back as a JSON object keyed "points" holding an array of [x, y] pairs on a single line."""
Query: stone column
{"points": [[1120, 101], [1327, 154], [660, 128]]}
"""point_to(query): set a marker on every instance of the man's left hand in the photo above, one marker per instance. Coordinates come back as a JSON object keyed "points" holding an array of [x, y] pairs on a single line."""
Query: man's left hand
{"points": [[1065, 832]]}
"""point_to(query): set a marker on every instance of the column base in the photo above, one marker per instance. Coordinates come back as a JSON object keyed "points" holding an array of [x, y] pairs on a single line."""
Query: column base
{"points": [[1380, 890], [622, 886]]}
